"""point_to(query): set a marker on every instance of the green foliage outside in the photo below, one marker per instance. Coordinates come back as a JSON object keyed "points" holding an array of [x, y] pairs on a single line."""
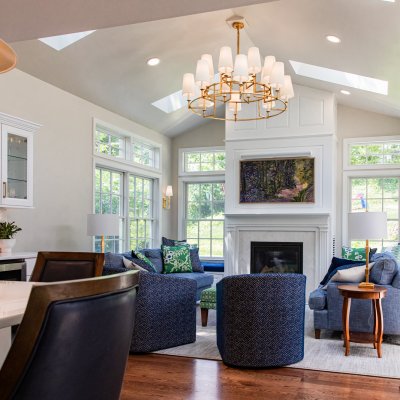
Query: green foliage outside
{"points": [[375, 154]]}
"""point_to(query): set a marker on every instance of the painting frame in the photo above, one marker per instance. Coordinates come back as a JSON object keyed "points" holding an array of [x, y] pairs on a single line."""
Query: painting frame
{"points": [[278, 180]]}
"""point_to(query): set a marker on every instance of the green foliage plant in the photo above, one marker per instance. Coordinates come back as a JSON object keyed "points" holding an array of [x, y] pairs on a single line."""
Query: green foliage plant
{"points": [[8, 230]]}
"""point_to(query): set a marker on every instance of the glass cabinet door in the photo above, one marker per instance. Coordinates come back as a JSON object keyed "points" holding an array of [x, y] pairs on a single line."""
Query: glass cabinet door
{"points": [[16, 165], [16, 186]]}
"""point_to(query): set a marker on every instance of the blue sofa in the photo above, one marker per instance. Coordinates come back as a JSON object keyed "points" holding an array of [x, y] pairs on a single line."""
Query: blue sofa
{"points": [[165, 314], [327, 303]]}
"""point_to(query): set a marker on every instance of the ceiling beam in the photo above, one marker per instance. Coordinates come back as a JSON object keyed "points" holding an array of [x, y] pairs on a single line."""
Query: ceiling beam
{"points": [[26, 19]]}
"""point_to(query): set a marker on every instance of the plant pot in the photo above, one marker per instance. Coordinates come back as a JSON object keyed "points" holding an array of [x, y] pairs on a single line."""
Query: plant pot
{"points": [[6, 245]]}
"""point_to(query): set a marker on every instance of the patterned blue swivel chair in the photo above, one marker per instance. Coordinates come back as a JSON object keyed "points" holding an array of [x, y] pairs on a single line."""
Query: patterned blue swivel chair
{"points": [[260, 319]]}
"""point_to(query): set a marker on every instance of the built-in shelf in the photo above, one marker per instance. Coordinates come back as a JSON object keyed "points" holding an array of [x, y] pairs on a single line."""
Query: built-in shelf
{"points": [[18, 157], [17, 180]]}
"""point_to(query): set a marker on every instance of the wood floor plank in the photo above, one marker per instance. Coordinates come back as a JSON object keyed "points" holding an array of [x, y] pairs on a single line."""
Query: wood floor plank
{"points": [[154, 376]]}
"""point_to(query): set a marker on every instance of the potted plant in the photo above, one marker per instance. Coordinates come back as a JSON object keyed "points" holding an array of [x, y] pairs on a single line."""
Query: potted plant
{"points": [[7, 232]]}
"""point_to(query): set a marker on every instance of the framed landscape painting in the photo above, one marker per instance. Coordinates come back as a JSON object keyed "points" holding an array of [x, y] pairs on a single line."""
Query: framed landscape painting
{"points": [[281, 180]]}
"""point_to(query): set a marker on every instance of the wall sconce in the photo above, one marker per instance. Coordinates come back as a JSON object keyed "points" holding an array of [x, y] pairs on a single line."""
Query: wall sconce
{"points": [[166, 201]]}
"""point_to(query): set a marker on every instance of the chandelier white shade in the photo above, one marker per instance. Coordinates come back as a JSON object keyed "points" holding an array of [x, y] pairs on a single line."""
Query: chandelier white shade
{"points": [[243, 81]]}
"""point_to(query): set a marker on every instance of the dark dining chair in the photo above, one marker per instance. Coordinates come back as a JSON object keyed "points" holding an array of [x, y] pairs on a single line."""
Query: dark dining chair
{"points": [[53, 266], [73, 341]]}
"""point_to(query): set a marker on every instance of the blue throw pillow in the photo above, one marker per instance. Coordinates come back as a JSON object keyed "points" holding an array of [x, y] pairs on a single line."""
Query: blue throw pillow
{"points": [[156, 258], [384, 269], [336, 264], [195, 259], [167, 242], [112, 260], [140, 259]]}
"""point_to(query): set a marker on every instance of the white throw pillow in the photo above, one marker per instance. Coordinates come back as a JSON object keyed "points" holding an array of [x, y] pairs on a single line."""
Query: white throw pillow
{"points": [[353, 275], [131, 265]]}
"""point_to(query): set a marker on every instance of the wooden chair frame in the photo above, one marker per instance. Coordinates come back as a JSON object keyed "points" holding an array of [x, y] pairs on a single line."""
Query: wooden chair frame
{"points": [[41, 297], [44, 256]]}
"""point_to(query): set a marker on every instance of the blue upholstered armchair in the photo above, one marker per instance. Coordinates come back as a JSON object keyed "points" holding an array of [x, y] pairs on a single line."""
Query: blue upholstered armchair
{"points": [[165, 313], [260, 319]]}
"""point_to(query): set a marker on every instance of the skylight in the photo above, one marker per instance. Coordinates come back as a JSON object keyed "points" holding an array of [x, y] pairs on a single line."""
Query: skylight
{"points": [[62, 41], [174, 101], [340, 77]]}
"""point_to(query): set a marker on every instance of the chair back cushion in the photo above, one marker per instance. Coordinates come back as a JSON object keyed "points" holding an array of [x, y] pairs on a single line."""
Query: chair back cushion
{"points": [[61, 270]]}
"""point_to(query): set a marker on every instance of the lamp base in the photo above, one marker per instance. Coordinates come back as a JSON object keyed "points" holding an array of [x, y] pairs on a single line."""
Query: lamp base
{"points": [[366, 285]]}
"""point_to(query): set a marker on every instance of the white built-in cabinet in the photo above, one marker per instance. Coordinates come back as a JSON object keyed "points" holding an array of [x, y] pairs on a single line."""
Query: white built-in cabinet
{"points": [[16, 152]]}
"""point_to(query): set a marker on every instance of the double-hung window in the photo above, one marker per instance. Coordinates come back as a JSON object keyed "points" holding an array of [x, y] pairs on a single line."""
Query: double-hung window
{"points": [[372, 172], [202, 176], [127, 177]]}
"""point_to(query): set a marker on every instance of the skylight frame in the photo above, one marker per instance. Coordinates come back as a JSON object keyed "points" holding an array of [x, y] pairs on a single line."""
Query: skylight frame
{"points": [[60, 42], [340, 77]]}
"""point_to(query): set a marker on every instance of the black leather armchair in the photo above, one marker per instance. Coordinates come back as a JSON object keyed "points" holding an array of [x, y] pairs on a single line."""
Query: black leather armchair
{"points": [[73, 341]]}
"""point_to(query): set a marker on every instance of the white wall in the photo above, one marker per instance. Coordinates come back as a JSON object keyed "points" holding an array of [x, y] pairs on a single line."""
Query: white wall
{"points": [[352, 123], [63, 162], [209, 134]]}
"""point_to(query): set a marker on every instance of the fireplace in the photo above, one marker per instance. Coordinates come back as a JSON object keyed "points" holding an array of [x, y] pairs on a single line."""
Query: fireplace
{"points": [[282, 257]]}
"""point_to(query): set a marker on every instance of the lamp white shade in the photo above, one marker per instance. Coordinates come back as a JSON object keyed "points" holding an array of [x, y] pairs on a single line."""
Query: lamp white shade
{"points": [[267, 69], [225, 62], [287, 89], [277, 75], [241, 68], [209, 59], [254, 60], [188, 85], [367, 225], [102, 225], [202, 74], [168, 191]]}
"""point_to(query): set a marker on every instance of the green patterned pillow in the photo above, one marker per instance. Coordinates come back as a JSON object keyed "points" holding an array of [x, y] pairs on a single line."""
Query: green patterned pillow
{"points": [[143, 258], [352, 253], [176, 259]]}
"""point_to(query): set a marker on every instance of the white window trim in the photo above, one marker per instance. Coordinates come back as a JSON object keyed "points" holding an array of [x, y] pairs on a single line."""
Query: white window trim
{"points": [[130, 167], [366, 140], [182, 151], [129, 139], [361, 171]]}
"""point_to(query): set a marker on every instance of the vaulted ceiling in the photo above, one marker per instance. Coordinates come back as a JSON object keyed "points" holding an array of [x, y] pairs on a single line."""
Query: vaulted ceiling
{"points": [[109, 67]]}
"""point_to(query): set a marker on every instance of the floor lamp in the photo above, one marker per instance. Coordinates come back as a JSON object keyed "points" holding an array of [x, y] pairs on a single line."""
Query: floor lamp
{"points": [[367, 226], [102, 225]]}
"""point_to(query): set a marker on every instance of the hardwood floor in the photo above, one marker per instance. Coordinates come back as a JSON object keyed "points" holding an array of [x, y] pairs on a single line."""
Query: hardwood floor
{"points": [[155, 376]]}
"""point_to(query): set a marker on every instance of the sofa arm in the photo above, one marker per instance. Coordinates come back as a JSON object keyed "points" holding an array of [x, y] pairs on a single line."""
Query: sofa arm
{"points": [[165, 312], [317, 299]]}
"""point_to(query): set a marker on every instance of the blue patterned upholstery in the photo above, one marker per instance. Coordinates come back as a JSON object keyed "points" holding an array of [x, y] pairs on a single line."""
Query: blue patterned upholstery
{"points": [[165, 313], [361, 316], [260, 319]]}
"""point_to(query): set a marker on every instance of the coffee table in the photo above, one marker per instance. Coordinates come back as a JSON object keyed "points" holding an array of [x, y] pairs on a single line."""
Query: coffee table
{"points": [[375, 295], [14, 297]]}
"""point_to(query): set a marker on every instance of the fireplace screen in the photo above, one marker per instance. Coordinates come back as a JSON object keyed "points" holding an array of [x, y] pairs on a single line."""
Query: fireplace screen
{"points": [[286, 257]]}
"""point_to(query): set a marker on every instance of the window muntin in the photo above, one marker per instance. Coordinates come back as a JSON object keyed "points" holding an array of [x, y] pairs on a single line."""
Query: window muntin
{"points": [[140, 212], [204, 161], [109, 200], [374, 153], [204, 217], [144, 154], [377, 194], [109, 144]]}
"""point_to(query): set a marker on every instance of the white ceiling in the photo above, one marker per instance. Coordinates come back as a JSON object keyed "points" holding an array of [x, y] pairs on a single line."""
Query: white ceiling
{"points": [[109, 67]]}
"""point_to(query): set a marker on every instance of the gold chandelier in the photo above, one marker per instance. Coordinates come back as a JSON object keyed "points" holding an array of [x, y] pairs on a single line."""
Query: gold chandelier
{"points": [[237, 85], [8, 59]]}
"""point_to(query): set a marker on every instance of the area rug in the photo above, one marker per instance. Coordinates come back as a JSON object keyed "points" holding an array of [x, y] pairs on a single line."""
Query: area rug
{"points": [[325, 354]]}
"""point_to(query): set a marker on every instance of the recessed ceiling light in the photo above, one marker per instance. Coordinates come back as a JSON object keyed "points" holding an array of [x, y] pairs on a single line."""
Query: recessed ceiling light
{"points": [[153, 61], [340, 77], [346, 92], [390, 1], [333, 39], [62, 41]]}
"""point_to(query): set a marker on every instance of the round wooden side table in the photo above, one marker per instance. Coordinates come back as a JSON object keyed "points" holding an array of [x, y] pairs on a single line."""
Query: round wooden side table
{"points": [[375, 295]]}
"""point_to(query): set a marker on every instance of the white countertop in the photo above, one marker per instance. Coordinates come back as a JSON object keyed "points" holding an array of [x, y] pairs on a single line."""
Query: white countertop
{"points": [[14, 297], [17, 256]]}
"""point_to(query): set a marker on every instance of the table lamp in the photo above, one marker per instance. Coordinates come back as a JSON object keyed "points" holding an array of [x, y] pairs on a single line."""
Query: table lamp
{"points": [[102, 225], [367, 226]]}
